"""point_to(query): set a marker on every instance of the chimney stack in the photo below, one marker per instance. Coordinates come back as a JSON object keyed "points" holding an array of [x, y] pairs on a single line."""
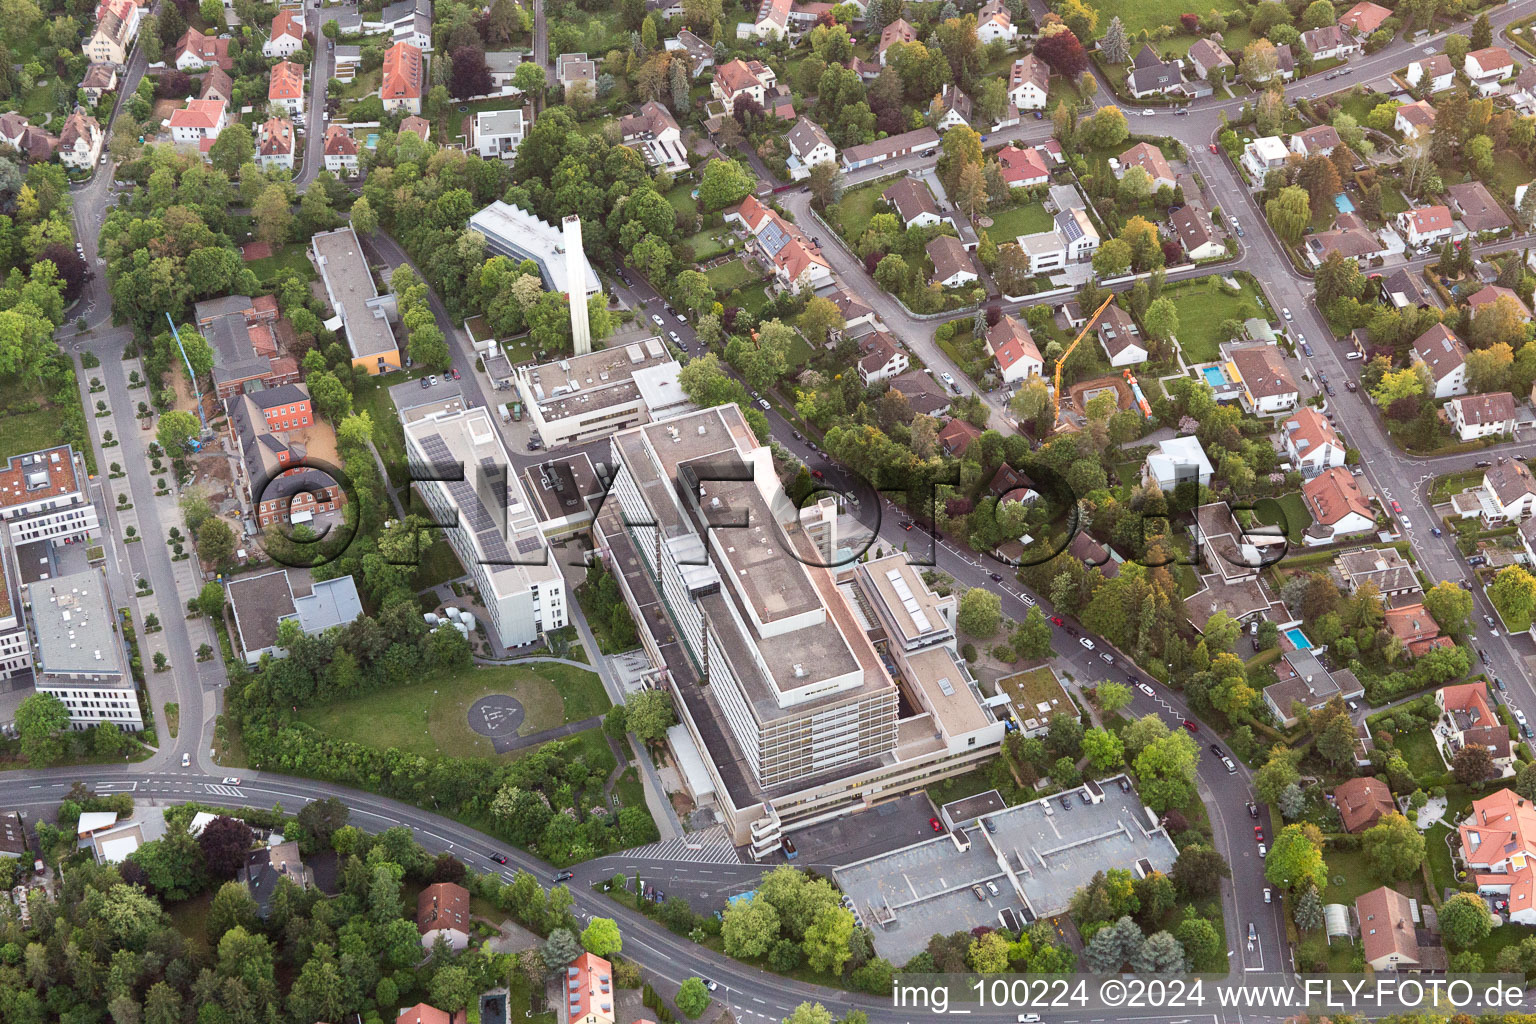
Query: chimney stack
{"points": [[576, 287]]}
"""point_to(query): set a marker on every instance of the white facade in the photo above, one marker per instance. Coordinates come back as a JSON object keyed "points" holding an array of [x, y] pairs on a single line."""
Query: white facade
{"points": [[498, 133], [1178, 460], [1423, 74], [1264, 155]]}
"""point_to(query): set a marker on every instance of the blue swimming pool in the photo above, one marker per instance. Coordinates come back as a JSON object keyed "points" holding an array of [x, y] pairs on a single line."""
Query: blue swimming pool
{"points": [[1298, 639], [1343, 203], [1213, 376], [373, 140]]}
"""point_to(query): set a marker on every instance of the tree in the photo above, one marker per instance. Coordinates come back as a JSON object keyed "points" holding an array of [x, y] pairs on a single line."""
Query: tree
{"points": [[1393, 847], [216, 542], [1112, 696], [528, 78], [1201, 944], [1450, 606], [274, 218], [40, 719], [1289, 213], [1033, 637], [749, 927], [1113, 45], [322, 818], [1104, 749], [1482, 33], [1464, 920], [560, 949], [1260, 61], [1309, 913], [692, 997], [232, 148], [827, 940], [1105, 128], [1160, 953], [724, 183], [649, 714], [1513, 591], [232, 907], [176, 430], [1063, 52], [1296, 858], [1473, 765], [225, 842], [602, 938], [470, 75], [1113, 258], [980, 613], [331, 397], [1161, 318], [1276, 774], [809, 1013]]}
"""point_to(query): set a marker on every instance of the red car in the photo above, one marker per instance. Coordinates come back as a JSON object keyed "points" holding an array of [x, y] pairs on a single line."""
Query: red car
{"points": [[1191, 725], [1214, 149], [1258, 833], [934, 823], [1058, 620], [818, 474]]}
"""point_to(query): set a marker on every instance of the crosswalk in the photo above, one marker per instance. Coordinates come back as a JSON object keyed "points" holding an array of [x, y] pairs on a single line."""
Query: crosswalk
{"points": [[218, 790], [711, 846]]}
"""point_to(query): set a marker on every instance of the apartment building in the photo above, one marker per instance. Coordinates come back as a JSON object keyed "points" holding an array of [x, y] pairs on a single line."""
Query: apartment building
{"points": [[356, 301], [43, 496], [79, 653]]}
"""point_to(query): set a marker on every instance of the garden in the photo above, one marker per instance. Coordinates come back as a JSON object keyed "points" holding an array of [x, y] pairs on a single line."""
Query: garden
{"points": [[1207, 310]]}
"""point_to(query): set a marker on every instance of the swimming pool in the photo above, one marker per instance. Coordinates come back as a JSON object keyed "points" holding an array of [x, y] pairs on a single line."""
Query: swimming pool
{"points": [[1343, 203], [1298, 639], [373, 140], [1213, 376]]}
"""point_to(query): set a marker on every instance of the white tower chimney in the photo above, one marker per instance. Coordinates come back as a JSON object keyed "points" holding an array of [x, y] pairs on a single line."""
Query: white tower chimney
{"points": [[576, 287]]}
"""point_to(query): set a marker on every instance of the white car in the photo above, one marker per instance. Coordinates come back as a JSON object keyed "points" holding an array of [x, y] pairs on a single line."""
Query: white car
{"points": [[1085, 642], [186, 760], [1146, 689], [764, 403], [1286, 313], [1263, 850], [675, 339], [1520, 717], [1268, 895], [656, 318], [231, 780], [947, 379]]}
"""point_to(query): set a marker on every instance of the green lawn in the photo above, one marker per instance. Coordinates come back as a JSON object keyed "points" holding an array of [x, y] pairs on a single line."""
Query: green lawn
{"points": [[1392, 202], [294, 256], [430, 717], [1297, 518], [438, 565], [1028, 219], [1203, 305], [753, 299], [1418, 749], [1349, 877], [729, 277], [857, 206], [1439, 856], [681, 197], [709, 243], [372, 396]]}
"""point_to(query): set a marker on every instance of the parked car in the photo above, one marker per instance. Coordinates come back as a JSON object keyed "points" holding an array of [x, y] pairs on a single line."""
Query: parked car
{"points": [[1253, 809], [1085, 642], [992, 888], [997, 577], [1190, 725], [1232, 770], [186, 760], [1285, 312], [1351, 386], [1216, 749], [934, 824], [1058, 620], [1499, 683], [1306, 349], [979, 894], [1110, 658], [1146, 689], [1214, 148], [1268, 896], [1066, 802]]}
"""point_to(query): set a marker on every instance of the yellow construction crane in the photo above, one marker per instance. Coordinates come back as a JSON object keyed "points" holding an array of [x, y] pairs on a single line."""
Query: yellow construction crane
{"points": [[1056, 393]]}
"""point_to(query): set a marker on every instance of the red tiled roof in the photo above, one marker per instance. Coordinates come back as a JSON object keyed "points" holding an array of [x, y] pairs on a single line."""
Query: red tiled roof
{"points": [[403, 75], [286, 81]]}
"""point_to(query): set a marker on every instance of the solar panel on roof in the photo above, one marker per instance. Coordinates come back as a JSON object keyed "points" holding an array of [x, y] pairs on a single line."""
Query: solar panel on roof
{"points": [[528, 545], [946, 687], [909, 602]]}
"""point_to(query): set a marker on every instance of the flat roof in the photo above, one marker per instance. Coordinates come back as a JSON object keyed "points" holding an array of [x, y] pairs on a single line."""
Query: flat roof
{"points": [[349, 285], [516, 232], [968, 808], [582, 385], [36, 476], [260, 602], [494, 513], [907, 600], [942, 677], [1036, 695], [329, 603], [75, 634], [561, 487]]}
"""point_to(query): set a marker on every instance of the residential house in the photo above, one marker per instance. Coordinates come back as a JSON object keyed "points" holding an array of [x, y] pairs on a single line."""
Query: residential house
{"points": [[404, 79], [275, 144], [1523, 95], [589, 991], [1431, 74], [898, 31], [498, 133], [1022, 168], [423, 1013], [417, 126], [952, 108], [572, 69], [1383, 568], [1467, 720], [772, 24], [1028, 83], [1120, 337], [797, 260], [117, 24], [340, 150], [1364, 18], [855, 312], [195, 51], [1319, 140], [1352, 243], [1267, 385], [913, 203], [216, 85], [285, 88], [924, 394], [1330, 43], [1150, 159], [1490, 294], [1498, 846], [1196, 233], [99, 79], [924, 141], [1414, 119], [1175, 461], [740, 78], [80, 141], [1487, 415], [1404, 289], [199, 122], [263, 602], [1338, 507], [809, 145], [1155, 79], [1445, 357], [1390, 936], [1487, 67], [655, 133], [1303, 681], [952, 265], [1047, 251], [1426, 225], [1311, 443], [32, 142], [699, 53], [881, 358], [1362, 802], [994, 23], [1509, 491], [287, 37], [1478, 210], [956, 437], [1527, 531], [1010, 343], [442, 911], [1211, 61], [1263, 155], [265, 868], [1416, 628], [348, 61], [1078, 232]]}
